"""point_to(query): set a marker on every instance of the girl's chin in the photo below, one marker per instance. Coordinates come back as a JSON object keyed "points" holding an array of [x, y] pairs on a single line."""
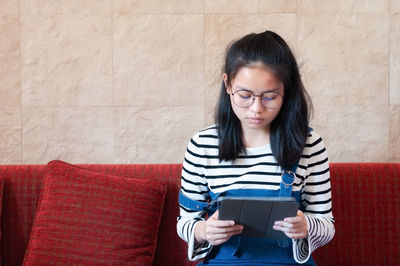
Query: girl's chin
{"points": [[261, 125]]}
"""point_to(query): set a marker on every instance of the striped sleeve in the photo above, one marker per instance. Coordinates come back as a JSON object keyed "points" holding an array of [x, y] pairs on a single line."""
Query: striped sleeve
{"points": [[193, 186], [316, 199]]}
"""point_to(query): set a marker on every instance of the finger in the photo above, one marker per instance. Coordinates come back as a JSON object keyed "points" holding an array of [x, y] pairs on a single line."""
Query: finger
{"points": [[221, 223], [289, 230], [299, 216], [217, 239], [289, 225], [297, 236], [218, 242], [300, 235], [222, 230], [296, 219], [281, 228], [225, 235], [215, 215]]}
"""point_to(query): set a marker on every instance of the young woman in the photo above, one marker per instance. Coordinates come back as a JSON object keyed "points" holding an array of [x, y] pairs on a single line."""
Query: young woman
{"points": [[261, 132]]}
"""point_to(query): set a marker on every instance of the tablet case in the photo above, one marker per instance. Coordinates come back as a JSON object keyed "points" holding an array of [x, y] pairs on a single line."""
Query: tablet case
{"points": [[258, 214]]}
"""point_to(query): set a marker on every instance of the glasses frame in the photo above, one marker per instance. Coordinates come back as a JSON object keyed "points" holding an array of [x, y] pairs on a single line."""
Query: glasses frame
{"points": [[253, 98]]}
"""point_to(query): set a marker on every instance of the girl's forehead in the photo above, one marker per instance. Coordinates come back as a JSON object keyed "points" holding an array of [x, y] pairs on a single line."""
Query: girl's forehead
{"points": [[257, 79], [256, 66], [256, 74]]}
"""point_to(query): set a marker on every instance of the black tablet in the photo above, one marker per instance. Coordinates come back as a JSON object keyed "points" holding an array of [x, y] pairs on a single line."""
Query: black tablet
{"points": [[258, 214]]}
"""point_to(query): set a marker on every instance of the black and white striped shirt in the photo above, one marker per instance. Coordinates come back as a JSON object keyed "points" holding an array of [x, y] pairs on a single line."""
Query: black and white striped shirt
{"points": [[256, 169]]}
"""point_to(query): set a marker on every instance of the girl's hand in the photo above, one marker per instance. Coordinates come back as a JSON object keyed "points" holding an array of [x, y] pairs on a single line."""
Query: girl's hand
{"points": [[216, 232], [293, 227]]}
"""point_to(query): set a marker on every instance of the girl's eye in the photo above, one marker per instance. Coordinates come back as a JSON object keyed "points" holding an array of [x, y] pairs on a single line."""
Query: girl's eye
{"points": [[266, 98], [269, 96], [245, 95]]}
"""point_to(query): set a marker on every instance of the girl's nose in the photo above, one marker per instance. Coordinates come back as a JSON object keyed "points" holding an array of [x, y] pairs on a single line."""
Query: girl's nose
{"points": [[257, 106]]}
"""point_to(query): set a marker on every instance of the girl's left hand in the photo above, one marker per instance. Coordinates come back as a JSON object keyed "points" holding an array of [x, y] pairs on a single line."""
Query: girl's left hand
{"points": [[293, 227]]}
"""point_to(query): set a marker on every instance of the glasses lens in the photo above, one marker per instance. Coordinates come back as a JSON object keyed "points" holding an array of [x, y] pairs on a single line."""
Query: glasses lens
{"points": [[243, 98], [271, 100]]}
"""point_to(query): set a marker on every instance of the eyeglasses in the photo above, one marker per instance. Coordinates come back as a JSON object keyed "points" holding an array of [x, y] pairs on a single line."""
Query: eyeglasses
{"points": [[269, 99]]}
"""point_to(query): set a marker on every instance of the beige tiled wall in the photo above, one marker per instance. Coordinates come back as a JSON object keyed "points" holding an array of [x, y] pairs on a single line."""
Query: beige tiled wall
{"points": [[130, 81]]}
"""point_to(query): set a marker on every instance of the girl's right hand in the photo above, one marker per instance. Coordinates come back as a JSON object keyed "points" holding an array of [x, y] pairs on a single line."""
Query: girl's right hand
{"points": [[216, 232]]}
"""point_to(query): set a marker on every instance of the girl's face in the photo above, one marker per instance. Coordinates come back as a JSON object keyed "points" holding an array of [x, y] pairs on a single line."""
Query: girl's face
{"points": [[258, 80]]}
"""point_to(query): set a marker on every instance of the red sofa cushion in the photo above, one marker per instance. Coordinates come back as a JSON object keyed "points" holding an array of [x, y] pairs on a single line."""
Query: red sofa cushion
{"points": [[87, 217]]}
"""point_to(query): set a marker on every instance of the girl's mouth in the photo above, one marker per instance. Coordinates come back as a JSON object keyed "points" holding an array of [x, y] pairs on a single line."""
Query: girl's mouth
{"points": [[255, 120]]}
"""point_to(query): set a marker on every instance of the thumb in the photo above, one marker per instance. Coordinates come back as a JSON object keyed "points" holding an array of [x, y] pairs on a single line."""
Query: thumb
{"points": [[215, 215]]}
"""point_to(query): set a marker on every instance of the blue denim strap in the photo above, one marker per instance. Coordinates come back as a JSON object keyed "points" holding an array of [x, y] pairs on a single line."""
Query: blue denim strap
{"points": [[287, 181], [190, 204], [288, 177], [196, 205]]}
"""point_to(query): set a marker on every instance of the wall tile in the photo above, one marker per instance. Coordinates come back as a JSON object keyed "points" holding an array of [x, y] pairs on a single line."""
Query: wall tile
{"points": [[157, 6], [10, 135], [159, 60], [209, 115], [66, 60], [344, 58], [250, 6], [394, 6], [10, 117], [394, 133], [66, 7], [10, 80], [130, 81], [73, 134], [343, 6], [350, 132], [154, 135], [395, 59], [9, 7], [220, 30], [10, 146]]}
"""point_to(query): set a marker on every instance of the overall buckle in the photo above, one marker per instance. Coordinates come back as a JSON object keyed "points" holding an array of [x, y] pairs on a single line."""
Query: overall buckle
{"points": [[288, 181]]}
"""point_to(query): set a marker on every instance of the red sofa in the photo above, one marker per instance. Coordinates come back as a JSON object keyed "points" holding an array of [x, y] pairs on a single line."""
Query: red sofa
{"points": [[366, 206]]}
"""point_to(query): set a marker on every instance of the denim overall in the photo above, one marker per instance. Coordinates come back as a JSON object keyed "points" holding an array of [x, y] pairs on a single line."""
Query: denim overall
{"points": [[248, 250]]}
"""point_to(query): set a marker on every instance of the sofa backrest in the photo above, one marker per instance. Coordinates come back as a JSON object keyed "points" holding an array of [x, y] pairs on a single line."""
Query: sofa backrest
{"points": [[365, 198], [366, 208], [21, 193]]}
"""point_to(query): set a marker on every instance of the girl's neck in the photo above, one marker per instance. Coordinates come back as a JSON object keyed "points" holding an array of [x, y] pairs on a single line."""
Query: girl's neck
{"points": [[255, 138]]}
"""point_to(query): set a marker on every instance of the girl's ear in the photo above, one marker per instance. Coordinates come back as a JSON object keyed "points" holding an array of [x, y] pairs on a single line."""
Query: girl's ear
{"points": [[228, 88]]}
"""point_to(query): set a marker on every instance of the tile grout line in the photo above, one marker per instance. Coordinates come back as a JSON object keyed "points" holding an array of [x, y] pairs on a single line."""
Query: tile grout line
{"points": [[204, 65], [112, 79], [389, 83], [20, 82]]}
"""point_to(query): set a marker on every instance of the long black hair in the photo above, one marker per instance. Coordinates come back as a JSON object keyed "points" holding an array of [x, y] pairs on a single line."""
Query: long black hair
{"points": [[289, 130]]}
